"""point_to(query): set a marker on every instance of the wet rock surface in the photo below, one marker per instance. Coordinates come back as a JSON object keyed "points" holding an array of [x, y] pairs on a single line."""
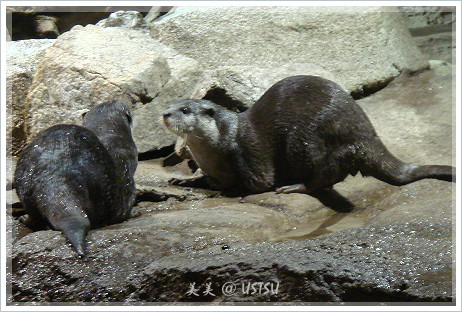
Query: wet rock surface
{"points": [[394, 263], [396, 245], [383, 265]]}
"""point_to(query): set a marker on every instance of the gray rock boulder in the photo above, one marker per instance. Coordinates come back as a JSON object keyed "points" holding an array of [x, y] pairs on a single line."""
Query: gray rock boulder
{"points": [[361, 46], [238, 87], [22, 58], [90, 65]]}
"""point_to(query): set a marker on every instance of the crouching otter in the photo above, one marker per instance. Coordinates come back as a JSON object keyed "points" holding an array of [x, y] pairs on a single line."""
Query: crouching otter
{"points": [[74, 178], [304, 135]]}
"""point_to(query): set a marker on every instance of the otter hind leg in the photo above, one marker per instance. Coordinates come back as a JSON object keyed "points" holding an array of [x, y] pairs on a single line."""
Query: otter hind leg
{"points": [[200, 182], [33, 221]]}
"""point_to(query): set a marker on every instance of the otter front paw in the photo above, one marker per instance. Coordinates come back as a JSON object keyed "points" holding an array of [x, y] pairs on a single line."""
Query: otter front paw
{"points": [[24, 220], [296, 188], [200, 182]]}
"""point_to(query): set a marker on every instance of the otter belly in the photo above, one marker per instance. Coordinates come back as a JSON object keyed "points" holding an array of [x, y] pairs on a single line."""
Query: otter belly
{"points": [[214, 165]]}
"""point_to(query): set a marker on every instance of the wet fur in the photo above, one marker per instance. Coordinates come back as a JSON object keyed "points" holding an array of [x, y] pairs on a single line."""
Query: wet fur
{"points": [[74, 178], [304, 130]]}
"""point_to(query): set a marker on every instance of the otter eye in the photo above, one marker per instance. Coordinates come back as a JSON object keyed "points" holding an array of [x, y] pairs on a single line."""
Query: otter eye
{"points": [[185, 110], [210, 112]]}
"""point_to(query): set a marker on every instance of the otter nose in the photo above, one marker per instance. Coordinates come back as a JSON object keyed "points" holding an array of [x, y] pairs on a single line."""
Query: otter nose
{"points": [[166, 115]]}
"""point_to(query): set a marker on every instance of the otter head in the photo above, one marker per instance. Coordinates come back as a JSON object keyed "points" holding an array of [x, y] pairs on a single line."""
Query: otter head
{"points": [[195, 119], [107, 116]]}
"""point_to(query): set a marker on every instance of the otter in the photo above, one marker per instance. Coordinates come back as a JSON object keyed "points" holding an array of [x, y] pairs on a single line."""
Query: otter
{"points": [[73, 178], [303, 135]]}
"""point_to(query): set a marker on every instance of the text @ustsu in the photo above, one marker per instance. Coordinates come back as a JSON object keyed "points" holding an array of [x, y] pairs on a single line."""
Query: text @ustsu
{"points": [[231, 288]]}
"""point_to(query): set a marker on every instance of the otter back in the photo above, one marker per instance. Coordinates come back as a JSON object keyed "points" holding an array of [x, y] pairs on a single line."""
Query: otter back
{"points": [[313, 132], [69, 179]]}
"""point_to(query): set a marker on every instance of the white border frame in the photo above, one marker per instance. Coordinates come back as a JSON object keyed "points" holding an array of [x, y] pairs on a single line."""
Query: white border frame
{"points": [[212, 307]]}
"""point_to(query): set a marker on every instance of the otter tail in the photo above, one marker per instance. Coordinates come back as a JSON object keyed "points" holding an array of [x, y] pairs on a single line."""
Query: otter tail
{"points": [[391, 170], [75, 228]]}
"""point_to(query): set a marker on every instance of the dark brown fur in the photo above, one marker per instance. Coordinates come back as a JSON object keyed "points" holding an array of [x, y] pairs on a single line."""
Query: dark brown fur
{"points": [[306, 134], [74, 178]]}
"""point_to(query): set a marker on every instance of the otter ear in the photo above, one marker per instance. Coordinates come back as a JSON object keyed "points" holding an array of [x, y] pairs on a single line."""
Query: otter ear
{"points": [[83, 114], [210, 112]]}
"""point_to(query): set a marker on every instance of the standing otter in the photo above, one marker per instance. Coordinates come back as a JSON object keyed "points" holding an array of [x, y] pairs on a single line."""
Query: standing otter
{"points": [[303, 135], [75, 178]]}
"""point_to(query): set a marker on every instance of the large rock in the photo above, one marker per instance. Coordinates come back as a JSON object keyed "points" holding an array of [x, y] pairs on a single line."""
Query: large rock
{"points": [[407, 263], [238, 87], [89, 65], [361, 46], [22, 58], [372, 264]]}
